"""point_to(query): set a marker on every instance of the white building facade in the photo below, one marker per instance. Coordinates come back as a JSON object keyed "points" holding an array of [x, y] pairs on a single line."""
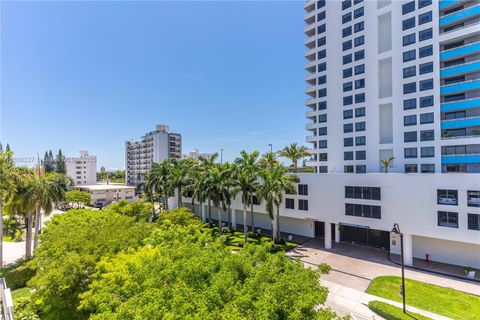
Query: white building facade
{"points": [[104, 194], [155, 146], [82, 169], [196, 154]]}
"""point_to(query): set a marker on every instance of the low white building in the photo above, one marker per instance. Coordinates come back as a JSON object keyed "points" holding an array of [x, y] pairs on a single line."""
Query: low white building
{"points": [[82, 169], [104, 194], [438, 214], [196, 154]]}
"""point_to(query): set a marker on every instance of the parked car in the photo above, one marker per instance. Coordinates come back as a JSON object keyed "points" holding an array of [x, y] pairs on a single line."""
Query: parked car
{"points": [[448, 200]]}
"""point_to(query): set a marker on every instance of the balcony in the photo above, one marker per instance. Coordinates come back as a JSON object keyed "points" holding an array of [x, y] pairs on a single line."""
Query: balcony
{"points": [[460, 87], [311, 126], [460, 69], [461, 123], [462, 51], [460, 16], [460, 159], [460, 105], [443, 4]]}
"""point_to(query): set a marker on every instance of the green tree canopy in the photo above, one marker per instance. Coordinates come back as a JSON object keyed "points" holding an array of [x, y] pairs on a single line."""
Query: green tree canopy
{"points": [[77, 197]]}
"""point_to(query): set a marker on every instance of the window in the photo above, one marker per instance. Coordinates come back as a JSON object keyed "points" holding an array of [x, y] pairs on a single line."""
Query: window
{"points": [[321, 28], [409, 55], [411, 168], [363, 210], [347, 100], [358, 12], [359, 55], [361, 168], [347, 58], [408, 7], [348, 114], [427, 135], [322, 105], [424, 3], [409, 72], [347, 72], [426, 67], [322, 92], [426, 84], [322, 144], [473, 198], [425, 51], [357, 27], [359, 69], [321, 16], [348, 169], [303, 204], [408, 39], [347, 31], [359, 97], [447, 219], [347, 17], [320, 4], [360, 126], [322, 169], [346, 4], [360, 141], [473, 222], [427, 152], [347, 142], [447, 197], [322, 131], [360, 155], [322, 80], [360, 83], [410, 120], [289, 203], [348, 155], [321, 41], [321, 67], [348, 128], [408, 23], [425, 34], [409, 87], [426, 118], [425, 17], [358, 41], [322, 118], [322, 54], [410, 153], [303, 189], [426, 101], [348, 86], [368, 193], [410, 136], [427, 168], [347, 45], [360, 112], [409, 104]]}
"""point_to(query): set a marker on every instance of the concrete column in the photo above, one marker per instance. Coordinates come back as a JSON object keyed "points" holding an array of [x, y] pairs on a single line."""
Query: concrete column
{"points": [[328, 235], [337, 233], [408, 249]]}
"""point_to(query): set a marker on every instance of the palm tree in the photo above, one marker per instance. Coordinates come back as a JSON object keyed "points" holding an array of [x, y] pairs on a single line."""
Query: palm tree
{"points": [[268, 161], [226, 189], [7, 187], [275, 183], [179, 177], [294, 152], [387, 163], [207, 163], [193, 175], [158, 180]]}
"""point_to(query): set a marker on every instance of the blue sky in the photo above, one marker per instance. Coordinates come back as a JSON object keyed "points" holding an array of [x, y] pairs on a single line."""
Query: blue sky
{"points": [[90, 75]]}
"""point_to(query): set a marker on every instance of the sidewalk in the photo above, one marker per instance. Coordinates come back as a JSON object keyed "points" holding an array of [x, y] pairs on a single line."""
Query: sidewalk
{"points": [[357, 301]]}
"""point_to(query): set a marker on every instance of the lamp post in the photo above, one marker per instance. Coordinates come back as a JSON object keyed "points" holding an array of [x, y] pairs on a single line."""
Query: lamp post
{"points": [[396, 230], [271, 147]]}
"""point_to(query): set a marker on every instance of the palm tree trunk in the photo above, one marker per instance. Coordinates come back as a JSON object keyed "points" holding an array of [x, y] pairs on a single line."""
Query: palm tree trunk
{"points": [[179, 199], [1, 231], [251, 214], [245, 220], [278, 223], [274, 228], [219, 215], [38, 218], [202, 212], [295, 166], [234, 219], [28, 243], [209, 210], [193, 204], [229, 217]]}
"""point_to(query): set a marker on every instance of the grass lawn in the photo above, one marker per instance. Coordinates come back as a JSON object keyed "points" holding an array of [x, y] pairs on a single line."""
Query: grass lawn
{"points": [[21, 293], [390, 312], [235, 241], [443, 301]]}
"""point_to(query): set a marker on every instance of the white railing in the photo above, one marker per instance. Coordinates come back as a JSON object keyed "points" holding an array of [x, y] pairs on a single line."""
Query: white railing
{"points": [[465, 118], [7, 301], [460, 82], [460, 65], [460, 100], [465, 45]]}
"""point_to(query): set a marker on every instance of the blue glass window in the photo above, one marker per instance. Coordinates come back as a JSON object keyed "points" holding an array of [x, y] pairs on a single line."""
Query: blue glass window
{"points": [[347, 58], [409, 104], [426, 84], [347, 100], [360, 141], [359, 69], [360, 126], [408, 7], [359, 55], [409, 72], [347, 142], [425, 17], [359, 41], [410, 120], [409, 87], [408, 23], [425, 34], [409, 55], [347, 72], [426, 101], [347, 17], [347, 31], [425, 51], [357, 13], [359, 97], [357, 27], [347, 114], [426, 67], [348, 127], [409, 39]]}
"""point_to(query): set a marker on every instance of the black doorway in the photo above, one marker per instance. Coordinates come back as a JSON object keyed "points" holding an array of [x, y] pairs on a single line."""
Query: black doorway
{"points": [[320, 229], [365, 236]]}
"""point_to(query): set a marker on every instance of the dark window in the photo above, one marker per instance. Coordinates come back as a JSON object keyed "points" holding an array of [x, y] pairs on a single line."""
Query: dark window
{"points": [[322, 169], [321, 16], [321, 67], [425, 34], [360, 155], [323, 157], [322, 144], [348, 155], [347, 17], [408, 23], [347, 31], [409, 87], [427, 135], [361, 168], [360, 83], [347, 45], [346, 4], [289, 203], [409, 72], [425, 51], [473, 198], [360, 126], [347, 58], [427, 152], [347, 86], [408, 7], [426, 118], [409, 104], [358, 192], [359, 97], [411, 168], [426, 67], [360, 141], [359, 112], [322, 54], [426, 84], [425, 17], [347, 114], [322, 105], [348, 169], [320, 4], [322, 28], [473, 221], [409, 39], [322, 131], [410, 136], [303, 204], [322, 92], [359, 69], [358, 41], [410, 153], [303, 189], [358, 12], [321, 41], [409, 55], [363, 210], [357, 27], [447, 219], [427, 168], [426, 101], [347, 142], [447, 197], [347, 100], [322, 80], [322, 118], [410, 120], [348, 128], [424, 3], [359, 55], [347, 72]]}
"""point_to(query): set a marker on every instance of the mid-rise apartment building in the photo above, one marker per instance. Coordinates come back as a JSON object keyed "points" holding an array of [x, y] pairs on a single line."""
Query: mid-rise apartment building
{"points": [[82, 169], [393, 79], [154, 146], [196, 154]]}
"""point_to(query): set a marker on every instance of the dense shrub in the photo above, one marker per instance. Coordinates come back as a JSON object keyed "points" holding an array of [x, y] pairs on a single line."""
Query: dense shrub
{"points": [[17, 275], [390, 312]]}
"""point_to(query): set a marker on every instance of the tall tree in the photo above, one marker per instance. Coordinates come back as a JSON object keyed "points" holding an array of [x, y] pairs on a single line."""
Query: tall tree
{"points": [[268, 161], [158, 181], [48, 161], [7, 148], [387, 163], [60, 164], [294, 152], [179, 177], [207, 163], [7, 188]]}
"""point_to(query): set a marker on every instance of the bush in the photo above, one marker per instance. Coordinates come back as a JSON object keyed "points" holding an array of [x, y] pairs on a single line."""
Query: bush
{"points": [[390, 312], [17, 275]]}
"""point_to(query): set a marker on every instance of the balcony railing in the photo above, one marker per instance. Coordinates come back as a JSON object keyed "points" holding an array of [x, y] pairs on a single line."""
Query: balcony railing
{"points": [[468, 85], [469, 67], [456, 16], [469, 48], [460, 104], [461, 123]]}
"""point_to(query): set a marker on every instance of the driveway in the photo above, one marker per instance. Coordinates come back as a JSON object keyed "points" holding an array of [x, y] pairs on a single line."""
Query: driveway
{"points": [[355, 266]]}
